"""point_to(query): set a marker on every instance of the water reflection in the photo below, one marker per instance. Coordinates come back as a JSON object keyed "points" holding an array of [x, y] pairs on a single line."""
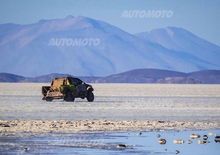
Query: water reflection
{"points": [[151, 143]]}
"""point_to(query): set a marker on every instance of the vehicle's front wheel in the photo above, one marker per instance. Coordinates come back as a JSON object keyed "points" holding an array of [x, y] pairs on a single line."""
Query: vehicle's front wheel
{"points": [[69, 97], [90, 96]]}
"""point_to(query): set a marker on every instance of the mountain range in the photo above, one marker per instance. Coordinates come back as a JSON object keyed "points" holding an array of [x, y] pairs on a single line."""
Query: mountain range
{"points": [[132, 76], [27, 49]]}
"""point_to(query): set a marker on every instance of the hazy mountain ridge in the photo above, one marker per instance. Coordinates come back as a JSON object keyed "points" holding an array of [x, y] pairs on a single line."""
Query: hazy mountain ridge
{"points": [[133, 76], [181, 40], [25, 49]]}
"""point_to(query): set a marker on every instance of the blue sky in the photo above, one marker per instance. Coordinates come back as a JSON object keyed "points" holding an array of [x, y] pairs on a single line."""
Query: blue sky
{"points": [[201, 17]]}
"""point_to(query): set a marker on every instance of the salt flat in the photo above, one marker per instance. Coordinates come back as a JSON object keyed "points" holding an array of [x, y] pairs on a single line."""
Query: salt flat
{"points": [[167, 102]]}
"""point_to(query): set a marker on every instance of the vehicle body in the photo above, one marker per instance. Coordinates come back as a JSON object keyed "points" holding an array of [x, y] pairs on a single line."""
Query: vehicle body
{"points": [[68, 88]]}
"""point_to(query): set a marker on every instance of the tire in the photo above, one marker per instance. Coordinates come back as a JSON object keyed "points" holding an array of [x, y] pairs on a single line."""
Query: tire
{"points": [[49, 99], [44, 90], [90, 96], [69, 97]]}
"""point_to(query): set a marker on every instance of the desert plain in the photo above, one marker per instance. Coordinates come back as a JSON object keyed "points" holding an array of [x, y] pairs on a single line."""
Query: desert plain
{"points": [[117, 107]]}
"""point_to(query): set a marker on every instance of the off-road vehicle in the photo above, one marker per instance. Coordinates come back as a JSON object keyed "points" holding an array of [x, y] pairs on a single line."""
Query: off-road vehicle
{"points": [[68, 88]]}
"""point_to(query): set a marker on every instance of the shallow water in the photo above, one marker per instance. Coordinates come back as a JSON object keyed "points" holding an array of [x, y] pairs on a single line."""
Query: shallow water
{"points": [[107, 143]]}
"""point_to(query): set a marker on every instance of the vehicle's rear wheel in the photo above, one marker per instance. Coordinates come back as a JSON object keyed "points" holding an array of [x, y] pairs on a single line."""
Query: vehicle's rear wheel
{"points": [[49, 99], [90, 96], [69, 97]]}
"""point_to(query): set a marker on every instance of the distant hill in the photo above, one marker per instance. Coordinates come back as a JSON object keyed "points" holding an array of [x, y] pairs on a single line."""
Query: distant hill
{"points": [[133, 76], [206, 76], [45, 78], [141, 76], [7, 77]]}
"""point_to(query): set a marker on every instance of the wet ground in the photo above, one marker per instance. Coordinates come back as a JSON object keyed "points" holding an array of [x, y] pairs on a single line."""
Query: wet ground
{"points": [[113, 143]]}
